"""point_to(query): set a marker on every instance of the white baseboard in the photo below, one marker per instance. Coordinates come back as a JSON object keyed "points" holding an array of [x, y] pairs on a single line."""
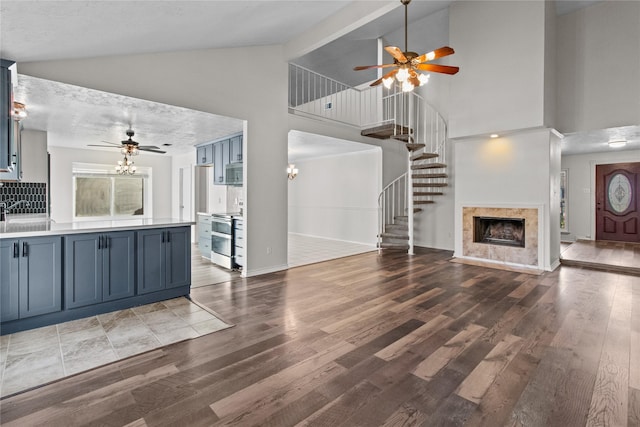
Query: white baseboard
{"points": [[266, 270]]}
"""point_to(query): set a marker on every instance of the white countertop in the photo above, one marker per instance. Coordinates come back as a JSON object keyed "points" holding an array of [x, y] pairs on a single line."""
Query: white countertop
{"points": [[18, 227]]}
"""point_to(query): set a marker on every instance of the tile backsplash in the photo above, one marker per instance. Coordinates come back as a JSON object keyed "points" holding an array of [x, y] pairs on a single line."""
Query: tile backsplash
{"points": [[33, 196]]}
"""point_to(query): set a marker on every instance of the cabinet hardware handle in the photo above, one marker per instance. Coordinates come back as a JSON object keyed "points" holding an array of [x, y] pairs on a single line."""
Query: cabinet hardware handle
{"points": [[168, 237], [99, 242], [106, 242], [16, 250], [163, 237], [25, 249]]}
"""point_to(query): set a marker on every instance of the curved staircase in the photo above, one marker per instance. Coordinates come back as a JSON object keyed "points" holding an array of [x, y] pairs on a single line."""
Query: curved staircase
{"points": [[423, 132]]}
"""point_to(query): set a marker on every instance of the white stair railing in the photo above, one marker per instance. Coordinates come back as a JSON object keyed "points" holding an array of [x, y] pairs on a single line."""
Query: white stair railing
{"points": [[318, 96]]}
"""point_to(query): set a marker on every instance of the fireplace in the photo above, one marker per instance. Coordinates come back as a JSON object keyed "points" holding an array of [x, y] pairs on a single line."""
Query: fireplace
{"points": [[499, 231]]}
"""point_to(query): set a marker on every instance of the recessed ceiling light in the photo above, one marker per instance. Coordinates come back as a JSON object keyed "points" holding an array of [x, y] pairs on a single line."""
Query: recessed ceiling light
{"points": [[494, 135], [617, 143]]}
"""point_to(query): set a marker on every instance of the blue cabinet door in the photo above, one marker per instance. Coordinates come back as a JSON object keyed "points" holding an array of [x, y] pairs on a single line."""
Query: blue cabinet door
{"points": [[178, 255], [40, 276], [9, 285], [82, 269], [118, 265], [236, 149], [151, 260], [218, 164]]}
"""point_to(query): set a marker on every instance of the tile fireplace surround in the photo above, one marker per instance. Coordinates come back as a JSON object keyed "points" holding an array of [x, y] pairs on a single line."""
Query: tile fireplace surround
{"points": [[527, 256]]}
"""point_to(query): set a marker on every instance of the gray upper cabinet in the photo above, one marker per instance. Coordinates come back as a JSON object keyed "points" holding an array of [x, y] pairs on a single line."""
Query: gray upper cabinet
{"points": [[6, 125], [99, 267], [218, 165], [236, 149], [205, 154], [39, 275], [164, 258]]}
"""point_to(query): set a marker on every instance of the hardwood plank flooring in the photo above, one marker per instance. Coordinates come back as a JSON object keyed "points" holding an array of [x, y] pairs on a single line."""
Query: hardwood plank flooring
{"points": [[623, 257], [379, 340]]}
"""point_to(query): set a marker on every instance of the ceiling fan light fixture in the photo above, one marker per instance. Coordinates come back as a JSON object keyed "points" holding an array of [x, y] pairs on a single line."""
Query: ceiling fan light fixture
{"points": [[407, 86], [388, 82], [423, 78], [402, 75]]}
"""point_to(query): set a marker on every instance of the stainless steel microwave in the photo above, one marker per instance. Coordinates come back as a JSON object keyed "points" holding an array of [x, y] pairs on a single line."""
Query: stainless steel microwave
{"points": [[233, 174]]}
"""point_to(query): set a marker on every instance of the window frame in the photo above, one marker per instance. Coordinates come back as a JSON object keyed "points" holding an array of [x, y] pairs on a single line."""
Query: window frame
{"points": [[88, 170]]}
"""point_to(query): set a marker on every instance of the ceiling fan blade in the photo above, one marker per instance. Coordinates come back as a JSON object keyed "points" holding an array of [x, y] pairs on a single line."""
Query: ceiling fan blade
{"points": [[366, 67], [152, 147], [112, 143], [96, 145], [151, 150], [435, 54], [445, 69], [389, 74], [396, 53]]}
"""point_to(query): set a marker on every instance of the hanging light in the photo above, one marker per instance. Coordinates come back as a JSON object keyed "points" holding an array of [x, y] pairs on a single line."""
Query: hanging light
{"points": [[292, 171], [125, 167], [19, 111]]}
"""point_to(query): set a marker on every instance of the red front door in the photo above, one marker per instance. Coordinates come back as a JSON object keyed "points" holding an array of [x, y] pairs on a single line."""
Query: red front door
{"points": [[617, 194]]}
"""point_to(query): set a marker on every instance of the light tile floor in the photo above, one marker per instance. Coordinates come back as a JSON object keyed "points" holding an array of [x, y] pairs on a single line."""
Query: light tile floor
{"points": [[38, 356], [305, 250]]}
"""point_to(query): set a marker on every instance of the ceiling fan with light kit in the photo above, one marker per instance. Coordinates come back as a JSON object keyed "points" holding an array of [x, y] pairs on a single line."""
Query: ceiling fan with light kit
{"points": [[407, 64], [129, 146]]}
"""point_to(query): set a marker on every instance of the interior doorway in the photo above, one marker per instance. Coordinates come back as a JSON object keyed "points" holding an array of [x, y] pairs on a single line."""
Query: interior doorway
{"points": [[617, 210]]}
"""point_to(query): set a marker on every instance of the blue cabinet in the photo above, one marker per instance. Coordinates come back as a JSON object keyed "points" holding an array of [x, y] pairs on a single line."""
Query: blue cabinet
{"points": [[31, 277], [164, 259], [6, 120], [235, 155], [99, 267], [9, 284], [204, 154], [218, 165]]}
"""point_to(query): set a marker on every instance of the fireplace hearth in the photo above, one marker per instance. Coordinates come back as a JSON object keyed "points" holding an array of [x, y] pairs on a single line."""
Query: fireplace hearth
{"points": [[499, 231]]}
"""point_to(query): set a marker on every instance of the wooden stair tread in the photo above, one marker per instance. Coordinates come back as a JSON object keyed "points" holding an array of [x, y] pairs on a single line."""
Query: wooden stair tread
{"points": [[423, 202], [429, 175], [414, 147], [425, 156], [427, 193], [416, 210], [385, 131], [403, 137], [394, 236], [429, 166], [393, 246], [430, 184]]}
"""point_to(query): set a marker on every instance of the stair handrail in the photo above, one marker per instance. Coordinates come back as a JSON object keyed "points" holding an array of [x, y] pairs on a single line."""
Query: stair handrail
{"points": [[387, 215]]}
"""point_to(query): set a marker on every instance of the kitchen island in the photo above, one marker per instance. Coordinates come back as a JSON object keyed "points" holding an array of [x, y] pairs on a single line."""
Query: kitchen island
{"points": [[55, 272]]}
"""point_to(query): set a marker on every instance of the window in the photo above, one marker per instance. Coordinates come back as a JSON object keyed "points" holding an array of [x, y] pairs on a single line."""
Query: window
{"points": [[98, 193]]}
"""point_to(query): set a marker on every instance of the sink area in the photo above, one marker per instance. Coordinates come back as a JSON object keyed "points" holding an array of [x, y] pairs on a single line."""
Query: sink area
{"points": [[28, 219]]}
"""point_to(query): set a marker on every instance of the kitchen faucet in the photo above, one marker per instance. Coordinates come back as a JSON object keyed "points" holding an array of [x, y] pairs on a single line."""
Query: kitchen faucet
{"points": [[4, 209]]}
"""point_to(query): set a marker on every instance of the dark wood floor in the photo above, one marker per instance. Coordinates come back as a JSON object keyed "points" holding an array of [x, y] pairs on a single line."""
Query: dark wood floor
{"points": [[380, 340]]}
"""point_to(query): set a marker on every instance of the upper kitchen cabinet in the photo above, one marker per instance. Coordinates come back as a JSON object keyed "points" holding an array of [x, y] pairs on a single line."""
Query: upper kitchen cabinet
{"points": [[236, 149], [9, 128], [218, 165], [205, 154], [34, 166]]}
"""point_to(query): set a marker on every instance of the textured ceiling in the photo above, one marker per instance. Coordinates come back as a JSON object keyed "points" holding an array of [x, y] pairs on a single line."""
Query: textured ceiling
{"points": [[596, 140], [75, 116]]}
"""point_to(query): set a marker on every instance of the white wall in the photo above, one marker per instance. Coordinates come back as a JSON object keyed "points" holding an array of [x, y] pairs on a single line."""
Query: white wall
{"points": [[62, 160], [336, 197], [581, 188], [598, 54], [500, 51], [34, 156], [510, 171], [204, 80]]}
